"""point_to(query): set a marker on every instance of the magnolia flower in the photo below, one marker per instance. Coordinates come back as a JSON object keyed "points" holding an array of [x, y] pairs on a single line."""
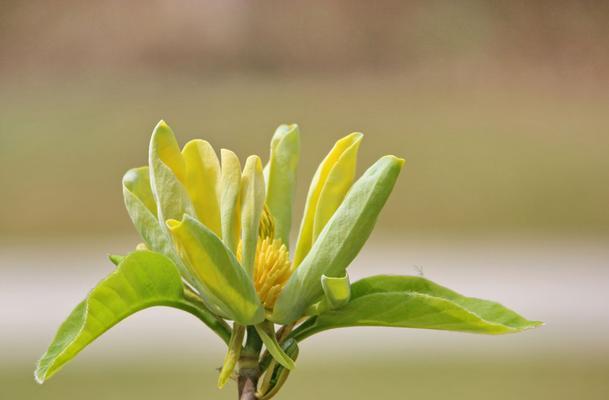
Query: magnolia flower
{"points": [[227, 229], [216, 244]]}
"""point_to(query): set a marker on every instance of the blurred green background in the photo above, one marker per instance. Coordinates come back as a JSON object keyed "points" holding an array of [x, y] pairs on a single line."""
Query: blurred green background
{"points": [[500, 109]]}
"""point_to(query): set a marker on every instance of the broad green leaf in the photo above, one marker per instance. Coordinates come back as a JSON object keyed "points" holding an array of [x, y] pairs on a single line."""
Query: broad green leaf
{"points": [[167, 175], [340, 241], [230, 187], [140, 205], [143, 279], [267, 334], [280, 177], [252, 202], [415, 302], [330, 183], [203, 182], [215, 266]]}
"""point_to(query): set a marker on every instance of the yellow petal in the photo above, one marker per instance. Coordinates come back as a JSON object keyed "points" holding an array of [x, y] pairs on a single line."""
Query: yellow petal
{"points": [[331, 182], [167, 175], [337, 184], [252, 202], [203, 182], [230, 186], [165, 145]]}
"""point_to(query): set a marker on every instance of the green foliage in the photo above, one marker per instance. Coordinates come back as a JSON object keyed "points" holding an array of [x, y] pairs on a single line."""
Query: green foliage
{"points": [[415, 302], [143, 279]]}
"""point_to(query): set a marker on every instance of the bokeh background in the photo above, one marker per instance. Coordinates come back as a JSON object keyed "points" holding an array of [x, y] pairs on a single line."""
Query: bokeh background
{"points": [[500, 108]]}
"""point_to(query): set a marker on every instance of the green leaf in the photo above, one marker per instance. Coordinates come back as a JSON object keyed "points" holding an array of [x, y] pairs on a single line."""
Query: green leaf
{"points": [[218, 270], [143, 279], [266, 333], [280, 177], [328, 187], [415, 302], [340, 241], [252, 202]]}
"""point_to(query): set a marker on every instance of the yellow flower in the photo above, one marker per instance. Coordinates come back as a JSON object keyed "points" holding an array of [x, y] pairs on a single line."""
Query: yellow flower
{"points": [[227, 227]]}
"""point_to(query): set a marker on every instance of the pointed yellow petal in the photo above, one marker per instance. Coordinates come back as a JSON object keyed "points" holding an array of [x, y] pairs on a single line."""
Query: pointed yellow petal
{"points": [[167, 175], [252, 202], [331, 182], [230, 187], [203, 182], [165, 145], [336, 186]]}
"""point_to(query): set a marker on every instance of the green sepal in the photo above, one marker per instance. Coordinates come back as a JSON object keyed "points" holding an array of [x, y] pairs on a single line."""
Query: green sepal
{"points": [[415, 302], [340, 241]]}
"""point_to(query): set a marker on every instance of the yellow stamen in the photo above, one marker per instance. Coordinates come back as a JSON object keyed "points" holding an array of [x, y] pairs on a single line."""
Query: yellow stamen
{"points": [[272, 269], [267, 225]]}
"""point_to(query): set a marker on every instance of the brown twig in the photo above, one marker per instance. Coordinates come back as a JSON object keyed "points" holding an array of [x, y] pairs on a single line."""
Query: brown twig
{"points": [[247, 387]]}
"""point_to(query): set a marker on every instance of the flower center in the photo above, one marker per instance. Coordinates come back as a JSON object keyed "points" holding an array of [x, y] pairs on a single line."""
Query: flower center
{"points": [[272, 266], [272, 269]]}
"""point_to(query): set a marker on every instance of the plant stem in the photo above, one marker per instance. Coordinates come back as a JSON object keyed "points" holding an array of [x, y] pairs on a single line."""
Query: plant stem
{"points": [[249, 370]]}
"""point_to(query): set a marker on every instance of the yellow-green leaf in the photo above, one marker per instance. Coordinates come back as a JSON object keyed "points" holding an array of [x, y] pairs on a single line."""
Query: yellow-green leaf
{"points": [[415, 302], [341, 239], [330, 183], [202, 181], [252, 202], [280, 176], [143, 279], [216, 267]]}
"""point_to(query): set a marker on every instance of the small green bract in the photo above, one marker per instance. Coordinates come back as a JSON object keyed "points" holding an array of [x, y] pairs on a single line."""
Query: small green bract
{"points": [[216, 244]]}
